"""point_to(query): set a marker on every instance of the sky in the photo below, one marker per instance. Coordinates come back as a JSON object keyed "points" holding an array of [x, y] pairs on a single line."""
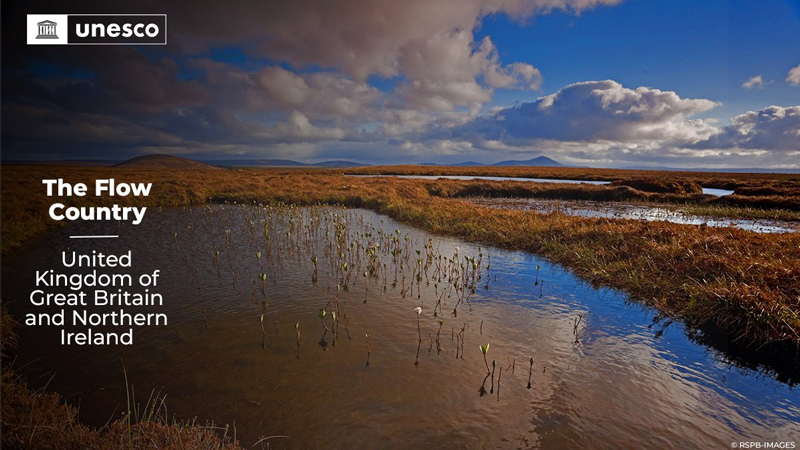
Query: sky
{"points": [[600, 83]]}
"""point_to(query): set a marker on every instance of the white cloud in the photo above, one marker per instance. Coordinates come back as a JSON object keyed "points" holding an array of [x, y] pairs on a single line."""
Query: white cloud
{"points": [[298, 128], [597, 111], [360, 37], [445, 72], [793, 77], [429, 44], [284, 87], [322, 93], [774, 128], [599, 122], [754, 82]]}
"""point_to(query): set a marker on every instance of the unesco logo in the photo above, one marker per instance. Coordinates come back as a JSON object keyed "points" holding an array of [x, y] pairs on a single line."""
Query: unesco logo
{"points": [[97, 29], [47, 30]]}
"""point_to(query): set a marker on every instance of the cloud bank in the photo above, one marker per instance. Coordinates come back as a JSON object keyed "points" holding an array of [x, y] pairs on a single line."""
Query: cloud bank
{"points": [[597, 111]]}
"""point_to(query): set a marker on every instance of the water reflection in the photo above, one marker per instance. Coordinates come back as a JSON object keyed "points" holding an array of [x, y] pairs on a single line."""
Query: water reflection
{"points": [[717, 192], [617, 210], [627, 383]]}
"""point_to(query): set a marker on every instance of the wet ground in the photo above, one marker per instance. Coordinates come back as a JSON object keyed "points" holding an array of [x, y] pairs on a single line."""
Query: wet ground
{"points": [[636, 211], [707, 191]]}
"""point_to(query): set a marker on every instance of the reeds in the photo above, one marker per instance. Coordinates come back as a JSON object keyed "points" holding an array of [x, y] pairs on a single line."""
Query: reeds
{"points": [[39, 420], [297, 331], [263, 333], [530, 372], [575, 326], [418, 310]]}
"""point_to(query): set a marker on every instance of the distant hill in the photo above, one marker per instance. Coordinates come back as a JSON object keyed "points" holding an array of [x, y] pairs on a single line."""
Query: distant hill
{"points": [[281, 163], [256, 163], [164, 162], [467, 164], [339, 163], [68, 162], [541, 161]]}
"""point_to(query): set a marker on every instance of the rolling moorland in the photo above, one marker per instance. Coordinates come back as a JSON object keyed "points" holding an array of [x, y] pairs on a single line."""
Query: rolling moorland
{"points": [[742, 289], [745, 282]]}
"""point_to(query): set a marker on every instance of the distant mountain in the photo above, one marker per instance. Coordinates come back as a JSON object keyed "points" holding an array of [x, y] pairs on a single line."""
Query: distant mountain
{"points": [[281, 163], [541, 161], [338, 163], [467, 164], [164, 162]]}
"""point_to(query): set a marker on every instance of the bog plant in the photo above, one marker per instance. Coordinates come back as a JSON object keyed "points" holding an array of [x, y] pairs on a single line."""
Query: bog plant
{"points": [[484, 351]]}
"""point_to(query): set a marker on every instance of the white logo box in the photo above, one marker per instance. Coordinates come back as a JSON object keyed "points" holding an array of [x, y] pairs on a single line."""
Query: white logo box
{"points": [[34, 38]]}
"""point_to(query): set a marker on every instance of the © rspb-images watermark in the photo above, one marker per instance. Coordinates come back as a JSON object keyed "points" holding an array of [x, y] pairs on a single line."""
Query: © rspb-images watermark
{"points": [[97, 29], [764, 444]]}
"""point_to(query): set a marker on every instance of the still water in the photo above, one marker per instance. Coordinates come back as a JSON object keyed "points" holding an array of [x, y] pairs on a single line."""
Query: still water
{"points": [[648, 212], [707, 191], [606, 373]]}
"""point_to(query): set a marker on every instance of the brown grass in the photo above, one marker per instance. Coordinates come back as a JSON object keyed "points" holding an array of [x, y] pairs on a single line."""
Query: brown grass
{"points": [[706, 179], [662, 186], [752, 190], [557, 191], [42, 420], [786, 206]]}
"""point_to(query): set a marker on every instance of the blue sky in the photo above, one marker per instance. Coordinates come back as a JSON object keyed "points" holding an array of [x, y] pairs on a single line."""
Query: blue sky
{"points": [[703, 49], [588, 82]]}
